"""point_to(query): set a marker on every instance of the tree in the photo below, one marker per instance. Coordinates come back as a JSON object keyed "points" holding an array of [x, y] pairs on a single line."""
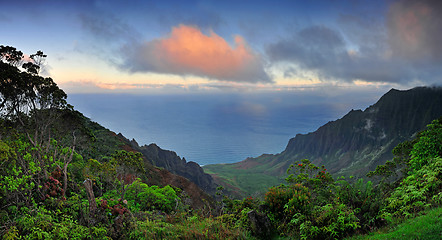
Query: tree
{"points": [[30, 102], [128, 164], [27, 98]]}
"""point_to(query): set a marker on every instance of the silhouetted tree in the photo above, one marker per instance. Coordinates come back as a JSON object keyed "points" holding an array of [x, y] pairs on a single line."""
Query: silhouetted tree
{"points": [[27, 98]]}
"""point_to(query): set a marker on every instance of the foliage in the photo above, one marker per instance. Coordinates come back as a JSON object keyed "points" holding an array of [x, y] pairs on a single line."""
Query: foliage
{"points": [[30, 100], [394, 169], [20, 174], [236, 206], [315, 178], [332, 221], [428, 146], [364, 198], [147, 198], [285, 201], [45, 224], [313, 206], [309, 175], [23, 90], [127, 165], [192, 227], [101, 173], [416, 192]]}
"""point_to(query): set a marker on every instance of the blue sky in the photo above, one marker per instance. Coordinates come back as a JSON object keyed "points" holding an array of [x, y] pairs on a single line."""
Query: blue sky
{"points": [[223, 46]]}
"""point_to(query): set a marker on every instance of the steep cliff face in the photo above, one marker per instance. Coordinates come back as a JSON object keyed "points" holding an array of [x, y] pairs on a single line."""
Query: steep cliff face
{"points": [[354, 144], [361, 140], [170, 161]]}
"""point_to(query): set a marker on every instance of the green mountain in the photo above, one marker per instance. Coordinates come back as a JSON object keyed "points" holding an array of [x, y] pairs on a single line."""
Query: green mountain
{"points": [[171, 162], [352, 145], [97, 142]]}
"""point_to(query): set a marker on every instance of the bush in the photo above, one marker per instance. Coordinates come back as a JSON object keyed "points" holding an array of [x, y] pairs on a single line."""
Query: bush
{"points": [[363, 198], [428, 146], [416, 192], [332, 221], [147, 198], [43, 224], [284, 201]]}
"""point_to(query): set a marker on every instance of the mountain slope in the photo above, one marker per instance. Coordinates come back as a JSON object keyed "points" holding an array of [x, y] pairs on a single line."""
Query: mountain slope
{"points": [[352, 145], [170, 161], [97, 142]]}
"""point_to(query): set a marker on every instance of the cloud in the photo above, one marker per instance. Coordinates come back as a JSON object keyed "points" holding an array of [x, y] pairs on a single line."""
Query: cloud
{"points": [[92, 86], [188, 51], [403, 51], [324, 51], [108, 28], [415, 30], [310, 47]]}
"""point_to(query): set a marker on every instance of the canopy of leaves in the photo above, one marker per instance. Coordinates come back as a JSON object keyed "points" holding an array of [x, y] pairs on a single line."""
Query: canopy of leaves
{"points": [[22, 89]]}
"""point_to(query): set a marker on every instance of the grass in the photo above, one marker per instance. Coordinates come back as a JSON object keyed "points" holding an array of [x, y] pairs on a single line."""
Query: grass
{"points": [[428, 226]]}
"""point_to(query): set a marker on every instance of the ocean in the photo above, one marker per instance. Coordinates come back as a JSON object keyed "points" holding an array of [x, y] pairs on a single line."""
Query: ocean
{"points": [[214, 128]]}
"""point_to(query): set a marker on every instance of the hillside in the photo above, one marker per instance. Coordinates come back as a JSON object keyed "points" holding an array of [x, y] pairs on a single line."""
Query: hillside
{"points": [[352, 145], [171, 162], [97, 142], [164, 167]]}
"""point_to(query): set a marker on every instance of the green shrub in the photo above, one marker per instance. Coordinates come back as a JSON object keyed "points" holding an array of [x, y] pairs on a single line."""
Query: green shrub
{"points": [[364, 198], [428, 146], [309, 175], [284, 201], [147, 198], [43, 224], [416, 192], [334, 221]]}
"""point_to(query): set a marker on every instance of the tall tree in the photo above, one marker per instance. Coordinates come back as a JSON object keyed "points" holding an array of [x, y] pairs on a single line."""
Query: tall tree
{"points": [[26, 97]]}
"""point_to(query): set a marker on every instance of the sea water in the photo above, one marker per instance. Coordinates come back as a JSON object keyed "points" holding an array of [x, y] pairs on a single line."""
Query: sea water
{"points": [[213, 128]]}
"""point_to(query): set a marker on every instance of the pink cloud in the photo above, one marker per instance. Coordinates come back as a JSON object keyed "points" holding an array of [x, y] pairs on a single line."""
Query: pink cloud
{"points": [[188, 51], [415, 29]]}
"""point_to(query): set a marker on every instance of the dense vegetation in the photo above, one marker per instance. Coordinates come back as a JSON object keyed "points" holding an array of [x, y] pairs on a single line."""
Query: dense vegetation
{"points": [[61, 178]]}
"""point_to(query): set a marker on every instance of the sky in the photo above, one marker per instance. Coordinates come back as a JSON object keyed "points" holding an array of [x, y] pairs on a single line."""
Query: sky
{"points": [[146, 47]]}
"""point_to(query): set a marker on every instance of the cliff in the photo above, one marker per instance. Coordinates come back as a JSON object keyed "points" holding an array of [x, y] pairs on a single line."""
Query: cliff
{"points": [[352, 145], [170, 161], [361, 140]]}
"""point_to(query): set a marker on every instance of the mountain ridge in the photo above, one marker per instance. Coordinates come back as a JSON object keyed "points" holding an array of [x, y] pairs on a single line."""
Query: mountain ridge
{"points": [[351, 145], [170, 161], [97, 142]]}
